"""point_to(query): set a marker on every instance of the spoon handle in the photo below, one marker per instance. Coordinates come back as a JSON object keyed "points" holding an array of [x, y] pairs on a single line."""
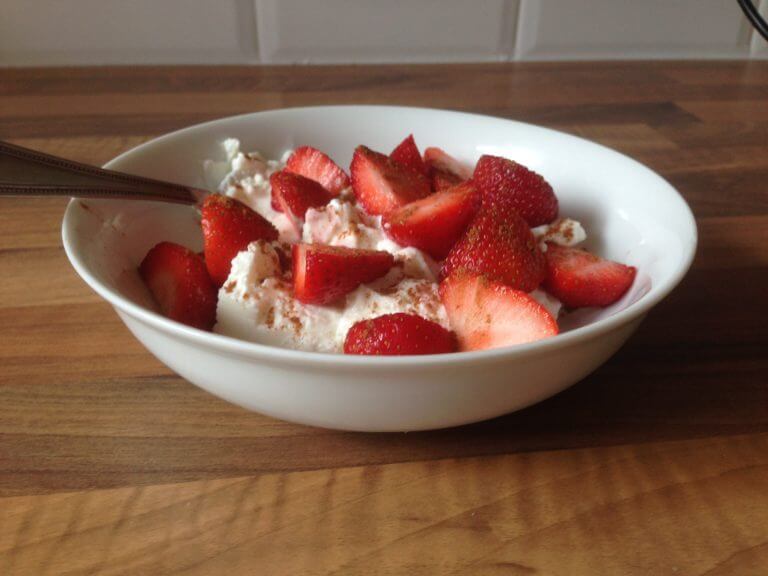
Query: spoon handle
{"points": [[25, 172]]}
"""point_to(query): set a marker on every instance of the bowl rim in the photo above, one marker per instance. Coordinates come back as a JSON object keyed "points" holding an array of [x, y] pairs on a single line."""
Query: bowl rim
{"points": [[237, 346]]}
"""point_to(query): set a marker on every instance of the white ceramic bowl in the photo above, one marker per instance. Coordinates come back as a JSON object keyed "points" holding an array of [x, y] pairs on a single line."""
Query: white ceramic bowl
{"points": [[631, 214]]}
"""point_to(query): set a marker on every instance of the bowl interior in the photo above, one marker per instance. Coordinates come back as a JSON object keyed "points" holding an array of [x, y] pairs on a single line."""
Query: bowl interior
{"points": [[630, 213]]}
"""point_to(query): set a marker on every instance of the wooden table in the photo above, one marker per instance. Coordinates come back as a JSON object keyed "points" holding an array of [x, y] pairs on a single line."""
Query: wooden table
{"points": [[656, 464]]}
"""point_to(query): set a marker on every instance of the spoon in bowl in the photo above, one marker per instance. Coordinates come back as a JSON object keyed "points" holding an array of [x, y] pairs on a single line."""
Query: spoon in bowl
{"points": [[25, 172]]}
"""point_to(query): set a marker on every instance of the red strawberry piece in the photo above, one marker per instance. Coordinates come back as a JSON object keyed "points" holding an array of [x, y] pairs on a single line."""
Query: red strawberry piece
{"points": [[502, 181], [487, 314], [438, 159], [578, 278], [500, 245], [382, 185], [179, 282], [398, 334], [273, 201], [434, 224], [407, 154], [315, 165], [442, 180], [323, 274], [228, 227], [296, 194]]}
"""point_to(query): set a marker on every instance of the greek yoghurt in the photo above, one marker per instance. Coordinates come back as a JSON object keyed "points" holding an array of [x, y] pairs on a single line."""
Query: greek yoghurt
{"points": [[256, 304]]}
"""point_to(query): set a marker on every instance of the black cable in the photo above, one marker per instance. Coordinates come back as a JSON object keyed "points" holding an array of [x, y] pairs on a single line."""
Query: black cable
{"points": [[754, 16]]}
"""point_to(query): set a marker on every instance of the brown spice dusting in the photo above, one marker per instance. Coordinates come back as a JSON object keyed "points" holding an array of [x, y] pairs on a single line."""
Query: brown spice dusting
{"points": [[559, 227], [296, 322]]}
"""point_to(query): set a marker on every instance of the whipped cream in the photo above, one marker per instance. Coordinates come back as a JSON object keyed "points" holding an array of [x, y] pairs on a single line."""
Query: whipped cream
{"points": [[257, 304], [565, 232], [343, 223], [245, 177]]}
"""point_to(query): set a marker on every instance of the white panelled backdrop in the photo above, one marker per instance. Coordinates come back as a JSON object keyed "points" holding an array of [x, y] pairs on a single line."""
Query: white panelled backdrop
{"points": [[75, 32]]}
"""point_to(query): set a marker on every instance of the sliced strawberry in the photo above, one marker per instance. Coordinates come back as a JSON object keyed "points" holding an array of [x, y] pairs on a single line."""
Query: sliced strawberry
{"points": [[407, 154], [398, 334], [228, 227], [442, 180], [578, 278], [296, 194], [315, 165], [487, 314], [323, 274], [502, 181], [438, 159], [500, 245], [434, 224], [381, 185], [179, 282], [274, 203]]}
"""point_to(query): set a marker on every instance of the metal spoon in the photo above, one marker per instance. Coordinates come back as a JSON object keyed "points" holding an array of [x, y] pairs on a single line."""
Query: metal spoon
{"points": [[25, 172]]}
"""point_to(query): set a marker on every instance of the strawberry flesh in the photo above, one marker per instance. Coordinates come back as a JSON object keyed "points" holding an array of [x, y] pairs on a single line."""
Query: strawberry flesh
{"points": [[444, 170], [499, 245], [316, 165], [296, 194], [407, 155], [382, 185], [580, 279], [228, 227], [438, 159], [441, 180], [487, 314], [398, 334], [504, 182], [434, 224], [178, 280], [323, 274]]}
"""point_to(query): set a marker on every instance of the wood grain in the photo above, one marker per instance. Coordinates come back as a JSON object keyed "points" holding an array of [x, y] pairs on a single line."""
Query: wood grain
{"points": [[655, 464]]}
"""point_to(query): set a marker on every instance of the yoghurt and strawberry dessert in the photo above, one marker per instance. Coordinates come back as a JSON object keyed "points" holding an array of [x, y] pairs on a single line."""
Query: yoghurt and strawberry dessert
{"points": [[406, 254]]}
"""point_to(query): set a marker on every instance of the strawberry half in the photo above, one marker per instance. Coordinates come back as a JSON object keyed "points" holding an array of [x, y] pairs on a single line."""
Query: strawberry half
{"points": [[578, 278], [316, 165], [504, 182], [500, 245], [228, 227], [487, 314], [407, 154], [444, 170], [382, 185], [434, 224], [438, 159], [179, 282], [296, 194], [441, 180], [323, 274], [398, 334]]}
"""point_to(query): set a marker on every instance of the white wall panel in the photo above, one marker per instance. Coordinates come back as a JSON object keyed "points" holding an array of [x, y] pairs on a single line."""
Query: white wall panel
{"points": [[76, 32], [760, 44], [607, 29], [126, 31], [385, 30]]}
